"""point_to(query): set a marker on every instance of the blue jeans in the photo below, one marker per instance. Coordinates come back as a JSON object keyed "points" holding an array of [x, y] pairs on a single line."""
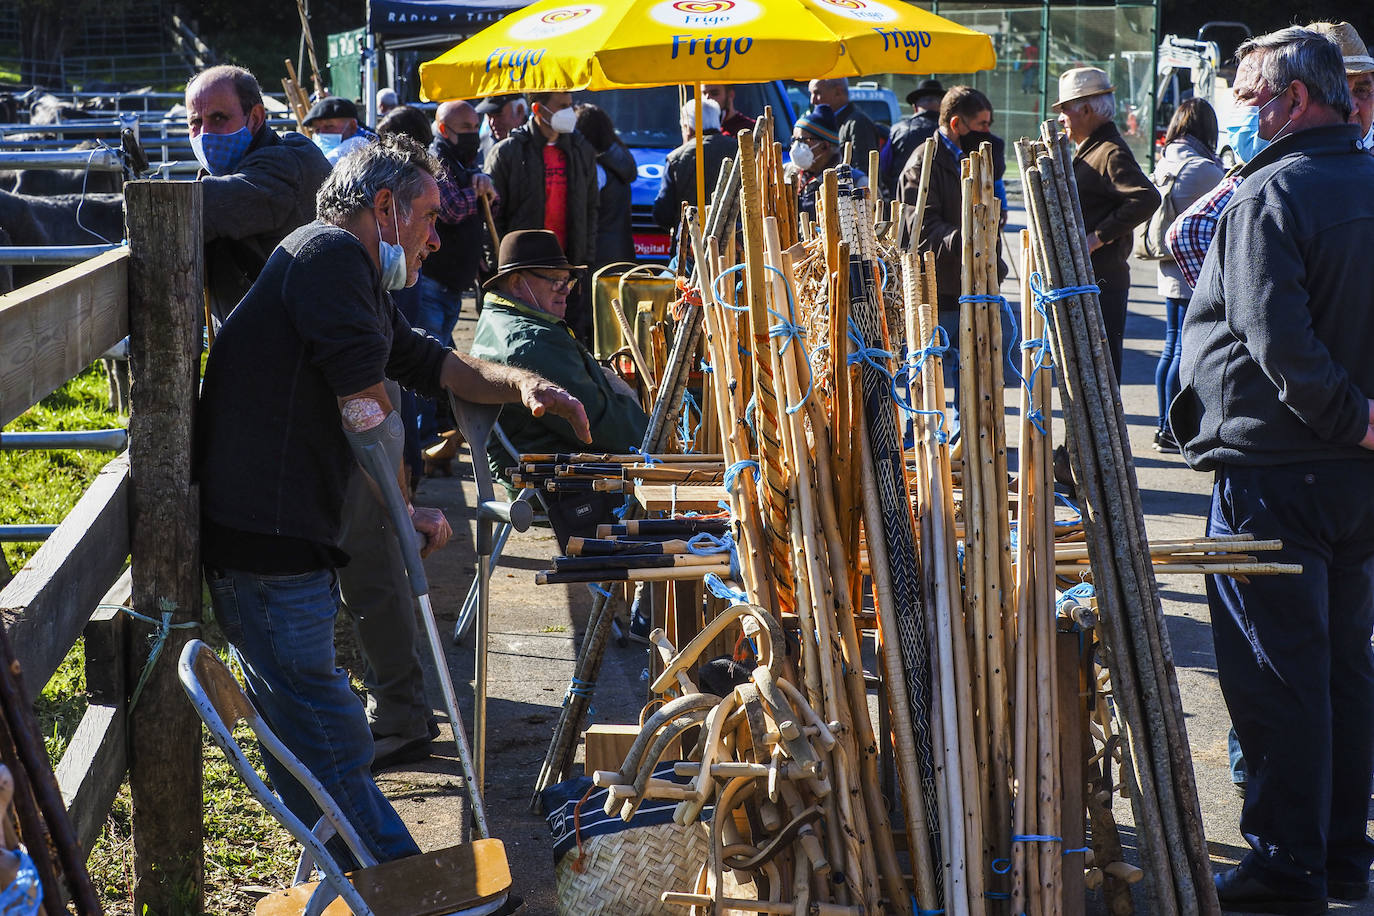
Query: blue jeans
{"points": [[1297, 670], [1166, 372], [281, 629]]}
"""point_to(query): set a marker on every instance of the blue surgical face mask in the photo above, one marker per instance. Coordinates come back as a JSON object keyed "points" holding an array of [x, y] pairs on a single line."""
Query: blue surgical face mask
{"points": [[1244, 134], [328, 142], [220, 154], [392, 256]]}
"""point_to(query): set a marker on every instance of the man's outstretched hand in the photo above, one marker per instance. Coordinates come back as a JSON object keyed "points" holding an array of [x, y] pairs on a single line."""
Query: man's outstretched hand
{"points": [[540, 395]]}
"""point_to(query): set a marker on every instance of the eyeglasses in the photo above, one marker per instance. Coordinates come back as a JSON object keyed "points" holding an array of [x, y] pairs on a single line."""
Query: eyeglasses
{"points": [[565, 284]]}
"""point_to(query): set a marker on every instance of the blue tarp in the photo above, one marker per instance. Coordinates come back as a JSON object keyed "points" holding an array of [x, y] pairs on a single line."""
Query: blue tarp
{"points": [[418, 17]]}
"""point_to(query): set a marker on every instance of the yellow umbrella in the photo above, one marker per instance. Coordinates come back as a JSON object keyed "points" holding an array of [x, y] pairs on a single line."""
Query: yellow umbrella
{"points": [[554, 45]]}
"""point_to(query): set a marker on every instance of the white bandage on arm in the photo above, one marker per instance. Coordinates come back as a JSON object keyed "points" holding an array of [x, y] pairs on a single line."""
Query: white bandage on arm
{"points": [[362, 414]]}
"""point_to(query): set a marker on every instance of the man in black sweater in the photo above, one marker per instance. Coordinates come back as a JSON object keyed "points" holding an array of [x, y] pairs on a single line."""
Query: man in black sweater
{"points": [[1276, 392], [298, 367]]}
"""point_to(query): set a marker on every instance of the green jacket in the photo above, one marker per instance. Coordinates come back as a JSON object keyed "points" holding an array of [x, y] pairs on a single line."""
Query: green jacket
{"points": [[513, 333]]}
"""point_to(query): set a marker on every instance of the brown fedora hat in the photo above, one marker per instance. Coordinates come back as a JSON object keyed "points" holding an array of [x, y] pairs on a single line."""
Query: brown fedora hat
{"points": [[1353, 51], [526, 249], [1082, 83]]}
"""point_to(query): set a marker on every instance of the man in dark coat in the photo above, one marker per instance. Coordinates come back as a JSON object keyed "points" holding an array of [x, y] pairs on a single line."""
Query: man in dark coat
{"points": [[1116, 196], [909, 133], [257, 186], [545, 175], [965, 119], [679, 183], [1275, 401], [856, 128]]}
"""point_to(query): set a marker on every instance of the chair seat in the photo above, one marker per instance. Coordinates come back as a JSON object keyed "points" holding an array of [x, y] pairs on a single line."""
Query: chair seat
{"points": [[431, 884]]}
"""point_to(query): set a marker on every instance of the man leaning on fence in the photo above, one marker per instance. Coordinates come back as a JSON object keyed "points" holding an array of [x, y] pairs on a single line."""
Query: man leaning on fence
{"points": [[257, 185], [1276, 403], [297, 367]]}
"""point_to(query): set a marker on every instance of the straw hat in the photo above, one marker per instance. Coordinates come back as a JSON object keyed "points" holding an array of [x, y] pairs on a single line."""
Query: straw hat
{"points": [[1082, 83], [1343, 34]]}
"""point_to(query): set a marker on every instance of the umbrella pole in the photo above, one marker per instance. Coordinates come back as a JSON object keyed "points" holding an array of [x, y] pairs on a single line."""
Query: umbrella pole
{"points": [[698, 88]]}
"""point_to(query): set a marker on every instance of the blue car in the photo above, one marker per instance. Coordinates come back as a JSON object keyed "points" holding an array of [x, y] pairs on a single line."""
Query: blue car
{"points": [[647, 121]]}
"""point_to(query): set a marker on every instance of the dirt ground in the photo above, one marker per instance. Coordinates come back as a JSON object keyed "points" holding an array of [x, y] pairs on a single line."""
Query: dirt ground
{"points": [[535, 631]]}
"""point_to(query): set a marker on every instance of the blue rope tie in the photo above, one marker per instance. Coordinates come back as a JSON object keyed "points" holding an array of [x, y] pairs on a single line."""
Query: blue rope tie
{"points": [[598, 590], [870, 356], [648, 459], [916, 361], [705, 367], [705, 544], [719, 295], [1083, 591], [716, 586], [751, 415], [1076, 511], [1045, 296], [162, 630], [1035, 838], [24, 895], [733, 471], [687, 431]]}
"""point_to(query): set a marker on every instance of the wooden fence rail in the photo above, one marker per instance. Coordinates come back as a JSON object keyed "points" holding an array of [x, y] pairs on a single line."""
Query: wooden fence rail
{"points": [[141, 504]]}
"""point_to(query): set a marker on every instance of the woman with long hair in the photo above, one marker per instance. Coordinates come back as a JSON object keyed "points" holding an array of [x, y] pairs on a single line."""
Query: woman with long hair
{"points": [[1190, 155]]}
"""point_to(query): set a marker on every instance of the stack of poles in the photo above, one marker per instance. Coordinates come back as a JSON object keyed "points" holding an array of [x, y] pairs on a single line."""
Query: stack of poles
{"points": [[961, 809], [1156, 762], [793, 530], [1037, 861], [890, 531], [671, 389], [987, 538]]}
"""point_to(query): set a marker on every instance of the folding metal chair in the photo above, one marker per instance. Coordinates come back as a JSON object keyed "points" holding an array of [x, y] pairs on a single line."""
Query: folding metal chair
{"points": [[472, 879], [493, 529]]}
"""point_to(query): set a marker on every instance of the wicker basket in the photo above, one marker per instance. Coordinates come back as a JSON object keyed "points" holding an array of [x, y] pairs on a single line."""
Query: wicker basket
{"points": [[623, 874]]}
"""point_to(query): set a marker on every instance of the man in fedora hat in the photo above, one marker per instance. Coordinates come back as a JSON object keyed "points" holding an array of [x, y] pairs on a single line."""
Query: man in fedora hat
{"points": [[909, 133], [522, 325], [1359, 74], [1116, 196]]}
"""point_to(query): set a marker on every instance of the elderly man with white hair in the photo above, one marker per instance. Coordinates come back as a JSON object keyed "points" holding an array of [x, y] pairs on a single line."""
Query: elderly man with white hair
{"points": [[1114, 193], [679, 183]]}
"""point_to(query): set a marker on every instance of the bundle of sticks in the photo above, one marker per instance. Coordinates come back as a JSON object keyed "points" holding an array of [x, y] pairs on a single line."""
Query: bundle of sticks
{"points": [[1157, 765]]}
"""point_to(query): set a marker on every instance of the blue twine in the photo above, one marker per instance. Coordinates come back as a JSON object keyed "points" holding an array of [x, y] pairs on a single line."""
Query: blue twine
{"points": [[1045, 297], [686, 431], [870, 356], [719, 295], [1000, 867], [705, 367], [1068, 852], [1080, 592], [24, 895], [648, 459], [751, 413], [706, 544], [1035, 838], [581, 688], [716, 586], [598, 590], [162, 630], [915, 361], [1076, 511]]}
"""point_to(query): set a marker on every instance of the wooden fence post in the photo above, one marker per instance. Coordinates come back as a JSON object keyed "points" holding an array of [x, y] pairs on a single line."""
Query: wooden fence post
{"points": [[166, 278]]}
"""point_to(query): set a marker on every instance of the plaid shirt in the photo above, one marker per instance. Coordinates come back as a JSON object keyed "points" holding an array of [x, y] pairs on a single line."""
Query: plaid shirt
{"points": [[1191, 234], [457, 203]]}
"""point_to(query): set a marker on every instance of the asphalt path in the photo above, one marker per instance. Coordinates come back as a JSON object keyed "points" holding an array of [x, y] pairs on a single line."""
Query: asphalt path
{"points": [[536, 630]]}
